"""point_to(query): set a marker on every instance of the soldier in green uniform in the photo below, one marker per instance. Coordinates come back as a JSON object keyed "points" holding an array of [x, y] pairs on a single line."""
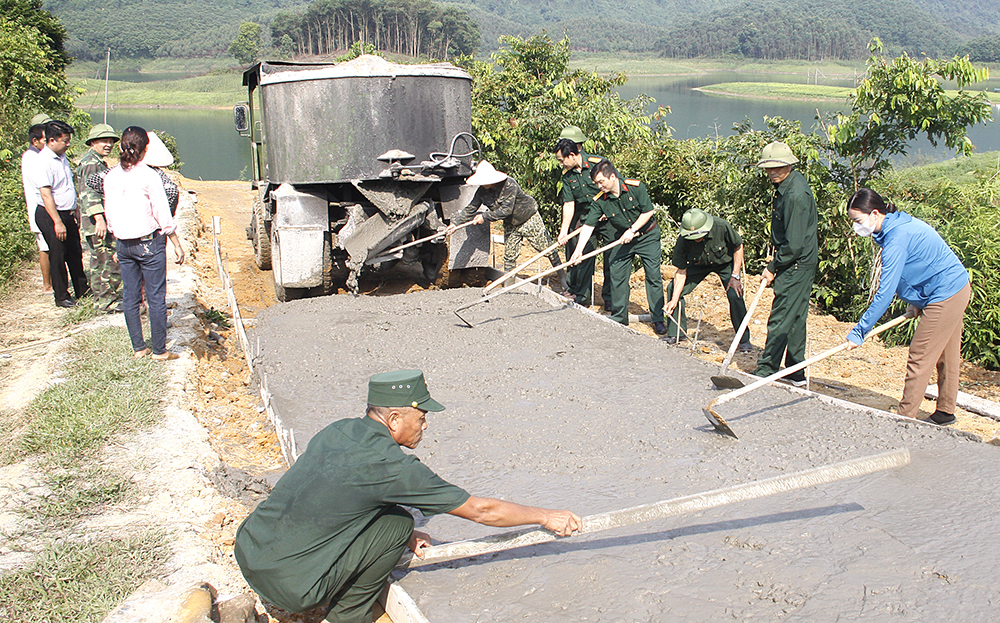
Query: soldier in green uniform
{"points": [[706, 245], [506, 201], [332, 529], [105, 274], [628, 209], [578, 192], [793, 267]]}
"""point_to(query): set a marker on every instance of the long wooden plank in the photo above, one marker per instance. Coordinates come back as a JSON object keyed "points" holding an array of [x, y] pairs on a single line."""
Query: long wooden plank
{"points": [[667, 508]]}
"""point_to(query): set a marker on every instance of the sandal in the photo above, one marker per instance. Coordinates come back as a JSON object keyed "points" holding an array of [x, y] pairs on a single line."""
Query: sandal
{"points": [[165, 356], [139, 354]]}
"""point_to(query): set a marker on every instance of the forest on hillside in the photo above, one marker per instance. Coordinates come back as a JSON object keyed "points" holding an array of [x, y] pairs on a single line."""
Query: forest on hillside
{"points": [[764, 29], [410, 27]]}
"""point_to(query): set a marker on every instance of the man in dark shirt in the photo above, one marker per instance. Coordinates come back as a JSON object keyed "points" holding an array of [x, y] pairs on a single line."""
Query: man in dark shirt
{"points": [[332, 529], [706, 245], [626, 205], [793, 267], [578, 192]]}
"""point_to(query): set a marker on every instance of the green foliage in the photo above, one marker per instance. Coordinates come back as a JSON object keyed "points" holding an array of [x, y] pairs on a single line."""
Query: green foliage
{"points": [[900, 99], [357, 49], [32, 79], [286, 47], [408, 27], [804, 29], [985, 49], [246, 46], [526, 94]]}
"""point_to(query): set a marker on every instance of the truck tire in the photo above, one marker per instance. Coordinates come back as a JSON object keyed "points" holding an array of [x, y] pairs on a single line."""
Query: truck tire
{"points": [[259, 237]]}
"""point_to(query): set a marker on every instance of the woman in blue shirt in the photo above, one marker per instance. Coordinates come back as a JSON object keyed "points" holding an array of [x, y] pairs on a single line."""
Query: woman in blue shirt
{"points": [[918, 266]]}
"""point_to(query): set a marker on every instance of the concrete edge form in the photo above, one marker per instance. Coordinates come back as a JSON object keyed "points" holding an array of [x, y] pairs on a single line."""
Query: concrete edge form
{"points": [[398, 604]]}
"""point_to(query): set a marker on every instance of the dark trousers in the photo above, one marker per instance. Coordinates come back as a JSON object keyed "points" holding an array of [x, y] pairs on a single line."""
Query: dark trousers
{"points": [[145, 261], [63, 254], [580, 277], [647, 248], [695, 275], [360, 573], [786, 326]]}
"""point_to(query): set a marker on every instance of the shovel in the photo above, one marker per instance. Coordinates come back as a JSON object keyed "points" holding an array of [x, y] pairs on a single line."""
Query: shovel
{"points": [[414, 243], [545, 273], [721, 425], [525, 263], [693, 503], [722, 381]]}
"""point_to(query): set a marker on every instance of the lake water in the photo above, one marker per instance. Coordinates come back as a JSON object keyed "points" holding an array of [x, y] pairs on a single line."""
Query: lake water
{"points": [[211, 149]]}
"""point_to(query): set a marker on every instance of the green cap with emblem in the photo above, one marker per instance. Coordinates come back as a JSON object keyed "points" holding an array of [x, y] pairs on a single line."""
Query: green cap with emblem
{"points": [[102, 130], [695, 223], [574, 134], [402, 388]]}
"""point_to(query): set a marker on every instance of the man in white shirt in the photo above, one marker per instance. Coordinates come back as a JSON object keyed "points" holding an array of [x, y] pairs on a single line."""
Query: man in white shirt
{"points": [[56, 214], [36, 141]]}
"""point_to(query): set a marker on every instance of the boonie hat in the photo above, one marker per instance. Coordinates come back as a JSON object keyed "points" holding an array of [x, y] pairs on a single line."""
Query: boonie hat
{"points": [[101, 130], [574, 134], [776, 154], [485, 175], [695, 223], [40, 119], [402, 388], [157, 154]]}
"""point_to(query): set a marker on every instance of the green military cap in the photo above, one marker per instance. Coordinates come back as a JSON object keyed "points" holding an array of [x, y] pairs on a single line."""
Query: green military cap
{"points": [[695, 223], [574, 134], [101, 130], [40, 119], [402, 388]]}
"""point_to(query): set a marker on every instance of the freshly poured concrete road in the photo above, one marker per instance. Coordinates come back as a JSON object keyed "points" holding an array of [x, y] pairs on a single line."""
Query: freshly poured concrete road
{"points": [[554, 408]]}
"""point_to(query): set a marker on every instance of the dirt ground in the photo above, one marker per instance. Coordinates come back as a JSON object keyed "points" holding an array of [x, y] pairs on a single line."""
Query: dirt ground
{"points": [[221, 393]]}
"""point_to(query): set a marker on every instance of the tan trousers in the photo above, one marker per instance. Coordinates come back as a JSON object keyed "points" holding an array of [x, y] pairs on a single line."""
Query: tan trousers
{"points": [[936, 344]]}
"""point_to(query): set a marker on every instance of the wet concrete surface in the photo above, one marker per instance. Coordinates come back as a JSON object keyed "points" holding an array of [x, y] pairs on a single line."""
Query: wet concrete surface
{"points": [[551, 407]]}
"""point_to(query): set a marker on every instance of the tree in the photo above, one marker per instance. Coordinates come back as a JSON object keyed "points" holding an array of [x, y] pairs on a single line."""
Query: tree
{"points": [[900, 99], [526, 93], [287, 47], [246, 46]]}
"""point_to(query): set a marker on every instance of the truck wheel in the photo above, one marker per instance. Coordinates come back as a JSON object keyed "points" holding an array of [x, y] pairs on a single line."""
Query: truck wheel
{"points": [[327, 286], [259, 237]]}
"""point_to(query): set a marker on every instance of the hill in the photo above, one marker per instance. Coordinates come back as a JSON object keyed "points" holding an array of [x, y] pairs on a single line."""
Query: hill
{"points": [[761, 29]]}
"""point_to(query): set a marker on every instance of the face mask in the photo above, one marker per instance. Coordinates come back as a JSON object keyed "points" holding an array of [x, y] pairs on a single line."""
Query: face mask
{"points": [[864, 229]]}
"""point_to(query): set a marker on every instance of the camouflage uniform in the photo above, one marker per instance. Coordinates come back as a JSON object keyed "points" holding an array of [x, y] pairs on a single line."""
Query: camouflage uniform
{"points": [[105, 274]]}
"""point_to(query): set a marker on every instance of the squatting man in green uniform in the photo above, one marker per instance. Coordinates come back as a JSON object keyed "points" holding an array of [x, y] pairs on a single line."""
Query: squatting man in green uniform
{"points": [[332, 529], [793, 267], [706, 245], [105, 273], [628, 209], [578, 192]]}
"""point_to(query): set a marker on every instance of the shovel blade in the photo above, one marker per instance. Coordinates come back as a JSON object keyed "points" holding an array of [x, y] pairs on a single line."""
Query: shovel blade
{"points": [[719, 423], [726, 382]]}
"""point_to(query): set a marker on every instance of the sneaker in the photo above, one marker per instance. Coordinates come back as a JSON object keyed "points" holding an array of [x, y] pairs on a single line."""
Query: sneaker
{"points": [[744, 347], [795, 381], [659, 328], [607, 306], [673, 339], [941, 418]]}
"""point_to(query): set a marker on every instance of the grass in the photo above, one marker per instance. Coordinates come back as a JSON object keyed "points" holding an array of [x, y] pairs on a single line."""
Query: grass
{"points": [[106, 392], [84, 311], [785, 91], [216, 90], [81, 581], [650, 64]]}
